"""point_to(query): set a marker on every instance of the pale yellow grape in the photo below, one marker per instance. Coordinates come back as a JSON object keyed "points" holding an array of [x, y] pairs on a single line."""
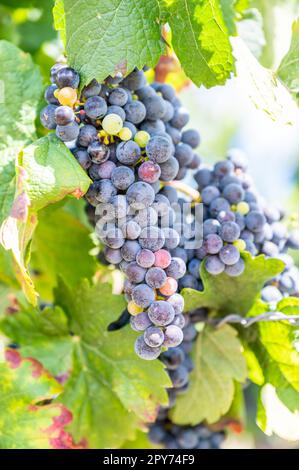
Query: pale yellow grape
{"points": [[112, 124], [125, 133], [66, 96], [141, 138]]}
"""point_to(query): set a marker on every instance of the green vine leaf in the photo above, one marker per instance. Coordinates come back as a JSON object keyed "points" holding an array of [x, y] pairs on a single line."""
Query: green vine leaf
{"points": [[25, 422], [59, 19], [100, 366], [20, 92], [226, 294], [46, 173], [288, 70], [56, 254], [218, 361], [200, 40], [109, 36]]}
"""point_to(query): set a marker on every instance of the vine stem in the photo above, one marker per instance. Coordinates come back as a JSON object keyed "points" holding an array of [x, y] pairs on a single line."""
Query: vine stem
{"points": [[184, 188], [267, 316]]}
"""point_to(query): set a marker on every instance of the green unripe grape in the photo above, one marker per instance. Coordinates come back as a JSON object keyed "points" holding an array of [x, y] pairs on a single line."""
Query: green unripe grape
{"points": [[112, 124], [125, 133], [141, 138], [240, 244], [243, 207]]}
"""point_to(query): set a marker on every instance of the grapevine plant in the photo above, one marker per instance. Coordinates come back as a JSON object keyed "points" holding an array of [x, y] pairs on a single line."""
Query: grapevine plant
{"points": [[125, 322]]}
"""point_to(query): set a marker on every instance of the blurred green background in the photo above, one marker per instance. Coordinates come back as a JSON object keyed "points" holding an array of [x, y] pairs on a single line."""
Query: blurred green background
{"points": [[225, 117]]}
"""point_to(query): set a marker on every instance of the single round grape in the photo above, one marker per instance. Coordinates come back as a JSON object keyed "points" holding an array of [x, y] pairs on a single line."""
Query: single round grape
{"points": [[152, 238], [211, 226], [230, 231], [95, 107], [112, 256], [129, 250], [67, 77], [180, 118], [177, 301], [153, 336], [229, 254], [155, 107], [122, 177], [271, 294], [223, 168], [213, 243], [64, 115], [188, 281], [179, 319], [54, 69], [214, 265], [183, 154], [47, 116], [255, 221], [159, 149], [226, 216], [217, 205], [176, 269], [173, 358], [82, 157], [106, 169], [191, 137], [209, 193], [144, 351], [195, 162], [112, 124], [179, 376], [98, 152], [169, 169], [135, 112], [145, 258], [155, 277], [118, 97], [135, 273], [203, 178], [49, 94], [293, 239], [234, 193], [149, 172], [128, 153], [140, 195], [114, 238], [194, 266], [68, 133], [161, 313], [92, 89], [146, 217], [131, 231], [106, 191], [187, 439], [169, 287], [140, 322], [87, 134], [143, 295], [173, 336], [238, 158], [66, 96], [125, 134], [162, 258], [135, 80], [236, 269]]}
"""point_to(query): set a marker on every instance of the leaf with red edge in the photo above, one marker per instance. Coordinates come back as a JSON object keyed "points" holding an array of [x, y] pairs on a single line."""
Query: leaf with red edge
{"points": [[46, 173], [27, 420]]}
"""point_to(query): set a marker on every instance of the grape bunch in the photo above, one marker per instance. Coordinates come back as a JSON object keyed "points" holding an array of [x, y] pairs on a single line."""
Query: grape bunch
{"points": [[128, 136], [179, 365], [237, 219]]}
